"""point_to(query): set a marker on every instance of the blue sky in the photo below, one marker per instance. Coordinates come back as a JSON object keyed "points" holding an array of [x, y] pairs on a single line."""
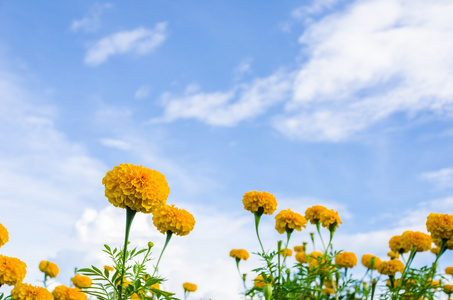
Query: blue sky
{"points": [[343, 103]]}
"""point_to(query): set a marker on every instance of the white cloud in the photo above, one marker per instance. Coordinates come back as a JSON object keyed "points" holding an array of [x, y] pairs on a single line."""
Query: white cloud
{"points": [[115, 143], [316, 7], [243, 68], [92, 22], [442, 179], [142, 92], [139, 41]]}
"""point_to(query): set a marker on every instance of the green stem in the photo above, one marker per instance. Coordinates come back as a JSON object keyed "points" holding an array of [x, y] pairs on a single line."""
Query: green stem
{"points": [[406, 268], [169, 234], [258, 215], [320, 236], [288, 235], [130, 214]]}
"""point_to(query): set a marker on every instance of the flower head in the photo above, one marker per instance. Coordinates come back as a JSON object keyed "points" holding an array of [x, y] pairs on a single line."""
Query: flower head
{"points": [[176, 220], [81, 281], [313, 214], [189, 287], [346, 260], [287, 220], [438, 241], [12, 270], [109, 268], [435, 250], [286, 252], [396, 245], [139, 188], [239, 254], [448, 288], [390, 267], [259, 281], [440, 225], [63, 292], [449, 270], [3, 235], [370, 261], [393, 255], [299, 248], [254, 200], [301, 257], [421, 241], [313, 258], [330, 219], [25, 291], [49, 268]]}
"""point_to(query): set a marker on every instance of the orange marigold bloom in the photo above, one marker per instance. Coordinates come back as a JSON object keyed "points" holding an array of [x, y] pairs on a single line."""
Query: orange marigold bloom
{"points": [[176, 220], [139, 188], [390, 267], [25, 291], [346, 260], [239, 254], [49, 268], [449, 270], [448, 288], [111, 269], [313, 214], [435, 250], [301, 257], [440, 225], [299, 248], [254, 200], [12, 270], [3, 235], [396, 245], [330, 219], [393, 255], [62, 292], [289, 220], [259, 281], [189, 287], [417, 239], [437, 241], [81, 281], [370, 261], [313, 258], [328, 291], [286, 252]]}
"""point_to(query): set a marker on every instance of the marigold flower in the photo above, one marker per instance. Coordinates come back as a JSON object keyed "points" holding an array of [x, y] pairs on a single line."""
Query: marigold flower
{"points": [[49, 268], [299, 248], [287, 220], [393, 255], [3, 235], [328, 291], [139, 188], [81, 281], [449, 270], [390, 267], [176, 220], [435, 250], [396, 245], [189, 287], [417, 239], [437, 241], [63, 292], [448, 288], [111, 269], [346, 260], [313, 258], [440, 225], [259, 281], [253, 200], [286, 252], [12, 270], [330, 219], [367, 261], [301, 257], [313, 214], [25, 291], [154, 286], [239, 254]]}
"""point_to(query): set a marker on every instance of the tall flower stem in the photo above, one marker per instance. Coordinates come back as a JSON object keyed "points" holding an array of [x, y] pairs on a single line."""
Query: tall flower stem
{"points": [[258, 215], [320, 236], [169, 234], [130, 214]]}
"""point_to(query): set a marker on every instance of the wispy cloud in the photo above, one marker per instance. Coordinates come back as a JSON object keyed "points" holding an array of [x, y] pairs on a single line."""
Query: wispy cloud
{"points": [[442, 179], [91, 22], [142, 92], [140, 41], [115, 143]]}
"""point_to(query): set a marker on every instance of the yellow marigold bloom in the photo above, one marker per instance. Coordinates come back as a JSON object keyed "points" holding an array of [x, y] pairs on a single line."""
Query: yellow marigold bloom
{"points": [[313, 214], [440, 225], [346, 260], [189, 287], [366, 261], [390, 267], [111, 269], [396, 245], [437, 241], [435, 250], [449, 270], [330, 219], [81, 281], [313, 258], [176, 220], [253, 200], [328, 291], [139, 188], [299, 248], [63, 292], [259, 281], [393, 255], [25, 291], [3, 235], [49, 268], [12, 270], [417, 239], [448, 288], [289, 220], [301, 257], [154, 286], [286, 252], [240, 254]]}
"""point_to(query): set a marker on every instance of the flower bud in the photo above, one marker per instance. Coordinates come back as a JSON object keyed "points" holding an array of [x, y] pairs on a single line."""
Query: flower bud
{"points": [[267, 290]]}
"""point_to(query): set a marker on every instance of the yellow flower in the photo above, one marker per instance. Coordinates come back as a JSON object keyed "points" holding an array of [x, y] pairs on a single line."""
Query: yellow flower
{"points": [[81, 281], [139, 188], [286, 252], [390, 267], [448, 288], [109, 268], [440, 225], [12, 270], [396, 245], [289, 220], [49, 268], [240, 254], [417, 239], [449, 270], [437, 241], [254, 200], [435, 250], [154, 286], [259, 281], [25, 291], [393, 255], [3, 235], [313, 214], [301, 257], [189, 287], [62, 292], [176, 220], [366, 261], [346, 260], [313, 258], [299, 248], [330, 219], [328, 291]]}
